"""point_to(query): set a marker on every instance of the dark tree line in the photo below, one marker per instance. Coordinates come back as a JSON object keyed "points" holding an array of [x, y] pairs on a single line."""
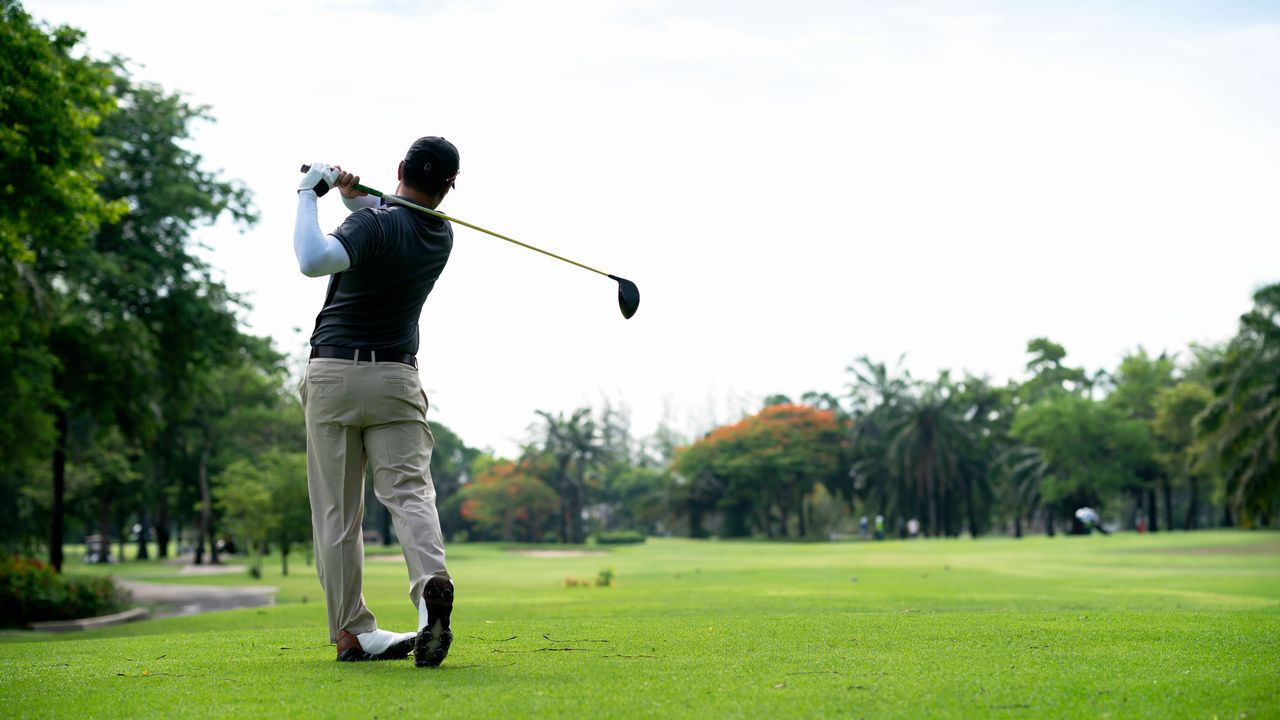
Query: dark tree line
{"points": [[1159, 442], [123, 359]]}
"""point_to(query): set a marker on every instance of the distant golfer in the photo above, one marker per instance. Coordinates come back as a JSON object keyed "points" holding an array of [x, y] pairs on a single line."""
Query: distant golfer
{"points": [[363, 401], [1087, 518]]}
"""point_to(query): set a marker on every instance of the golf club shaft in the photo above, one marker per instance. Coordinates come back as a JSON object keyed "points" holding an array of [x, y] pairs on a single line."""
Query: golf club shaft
{"points": [[437, 213], [429, 211]]}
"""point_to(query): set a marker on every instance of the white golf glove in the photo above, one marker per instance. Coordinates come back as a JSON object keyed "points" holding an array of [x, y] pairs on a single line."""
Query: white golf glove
{"points": [[319, 178]]}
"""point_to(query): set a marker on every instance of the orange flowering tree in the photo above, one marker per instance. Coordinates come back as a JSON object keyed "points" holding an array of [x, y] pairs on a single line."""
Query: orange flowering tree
{"points": [[758, 471], [507, 501]]}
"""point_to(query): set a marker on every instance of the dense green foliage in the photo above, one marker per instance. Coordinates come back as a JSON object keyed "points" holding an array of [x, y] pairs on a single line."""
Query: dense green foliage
{"points": [[619, 537], [50, 104], [113, 330], [1242, 423], [32, 591], [1171, 625]]}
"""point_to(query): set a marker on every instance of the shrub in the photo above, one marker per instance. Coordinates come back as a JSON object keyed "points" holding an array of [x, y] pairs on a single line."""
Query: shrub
{"points": [[31, 591], [605, 578], [619, 537]]}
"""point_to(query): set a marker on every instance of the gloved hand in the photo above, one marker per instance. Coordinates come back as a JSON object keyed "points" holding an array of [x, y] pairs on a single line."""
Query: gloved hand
{"points": [[319, 178]]}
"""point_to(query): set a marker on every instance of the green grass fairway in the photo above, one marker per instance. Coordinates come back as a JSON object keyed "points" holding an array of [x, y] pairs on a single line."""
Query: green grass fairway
{"points": [[1160, 626]]}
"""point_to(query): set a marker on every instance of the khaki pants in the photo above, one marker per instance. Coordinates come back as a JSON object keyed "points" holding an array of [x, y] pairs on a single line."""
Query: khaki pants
{"points": [[374, 413]]}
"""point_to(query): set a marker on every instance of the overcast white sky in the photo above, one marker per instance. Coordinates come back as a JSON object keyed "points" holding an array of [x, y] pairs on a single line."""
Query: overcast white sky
{"points": [[791, 185]]}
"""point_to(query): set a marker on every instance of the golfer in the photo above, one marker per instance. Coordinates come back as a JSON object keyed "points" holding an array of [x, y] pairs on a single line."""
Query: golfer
{"points": [[363, 401]]}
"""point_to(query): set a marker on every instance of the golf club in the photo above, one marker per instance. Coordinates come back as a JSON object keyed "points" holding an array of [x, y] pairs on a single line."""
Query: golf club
{"points": [[628, 293]]}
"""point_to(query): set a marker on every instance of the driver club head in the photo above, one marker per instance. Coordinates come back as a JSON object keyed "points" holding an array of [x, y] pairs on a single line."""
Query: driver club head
{"points": [[628, 296]]}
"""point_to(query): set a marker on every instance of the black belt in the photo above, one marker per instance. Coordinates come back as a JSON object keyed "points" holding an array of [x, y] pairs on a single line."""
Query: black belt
{"points": [[357, 354]]}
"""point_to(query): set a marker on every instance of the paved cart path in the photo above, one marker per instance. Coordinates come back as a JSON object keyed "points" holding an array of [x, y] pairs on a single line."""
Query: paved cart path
{"points": [[176, 600]]}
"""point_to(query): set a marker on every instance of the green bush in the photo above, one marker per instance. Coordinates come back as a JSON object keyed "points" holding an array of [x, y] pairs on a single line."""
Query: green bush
{"points": [[619, 537], [31, 591]]}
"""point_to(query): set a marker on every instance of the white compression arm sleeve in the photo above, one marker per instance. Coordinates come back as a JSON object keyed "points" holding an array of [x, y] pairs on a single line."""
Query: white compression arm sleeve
{"points": [[318, 254], [360, 202]]}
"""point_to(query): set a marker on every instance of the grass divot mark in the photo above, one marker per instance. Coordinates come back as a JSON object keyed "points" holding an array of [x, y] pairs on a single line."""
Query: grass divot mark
{"points": [[631, 656], [545, 649], [548, 639], [477, 637]]}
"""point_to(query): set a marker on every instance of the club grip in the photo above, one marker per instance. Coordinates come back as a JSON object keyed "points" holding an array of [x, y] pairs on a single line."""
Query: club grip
{"points": [[306, 168]]}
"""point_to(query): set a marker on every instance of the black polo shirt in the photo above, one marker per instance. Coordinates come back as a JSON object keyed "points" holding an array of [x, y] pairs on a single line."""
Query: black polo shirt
{"points": [[396, 255]]}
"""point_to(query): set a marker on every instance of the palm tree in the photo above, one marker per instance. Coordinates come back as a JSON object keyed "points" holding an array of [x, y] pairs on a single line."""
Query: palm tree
{"points": [[1022, 470], [575, 446], [928, 440], [876, 397], [1242, 424]]}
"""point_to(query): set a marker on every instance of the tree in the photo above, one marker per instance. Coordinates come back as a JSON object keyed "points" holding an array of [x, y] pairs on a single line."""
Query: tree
{"points": [[264, 499], [640, 498], [286, 476], [928, 441], [148, 268], [1176, 410], [97, 266], [1241, 426], [227, 397], [1137, 382], [767, 463], [1091, 450], [1049, 376], [451, 461], [506, 500], [50, 103], [988, 411], [877, 395], [243, 494], [574, 446], [1022, 471]]}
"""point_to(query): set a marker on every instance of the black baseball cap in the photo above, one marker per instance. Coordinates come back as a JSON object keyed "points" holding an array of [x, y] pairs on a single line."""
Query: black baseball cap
{"points": [[431, 163]]}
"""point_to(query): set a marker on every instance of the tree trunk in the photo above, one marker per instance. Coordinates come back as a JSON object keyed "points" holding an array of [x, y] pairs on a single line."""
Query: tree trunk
{"points": [[1193, 504], [206, 501], [199, 548], [969, 509], [930, 493], [386, 526], [695, 524], [1167, 488], [1048, 523], [162, 529], [144, 520], [1153, 523], [802, 526], [566, 493], [59, 490], [284, 557], [1017, 525], [104, 530], [575, 513]]}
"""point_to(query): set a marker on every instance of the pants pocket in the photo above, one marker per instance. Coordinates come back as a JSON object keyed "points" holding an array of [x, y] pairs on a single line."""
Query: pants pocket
{"points": [[404, 386], [322, 385]]}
